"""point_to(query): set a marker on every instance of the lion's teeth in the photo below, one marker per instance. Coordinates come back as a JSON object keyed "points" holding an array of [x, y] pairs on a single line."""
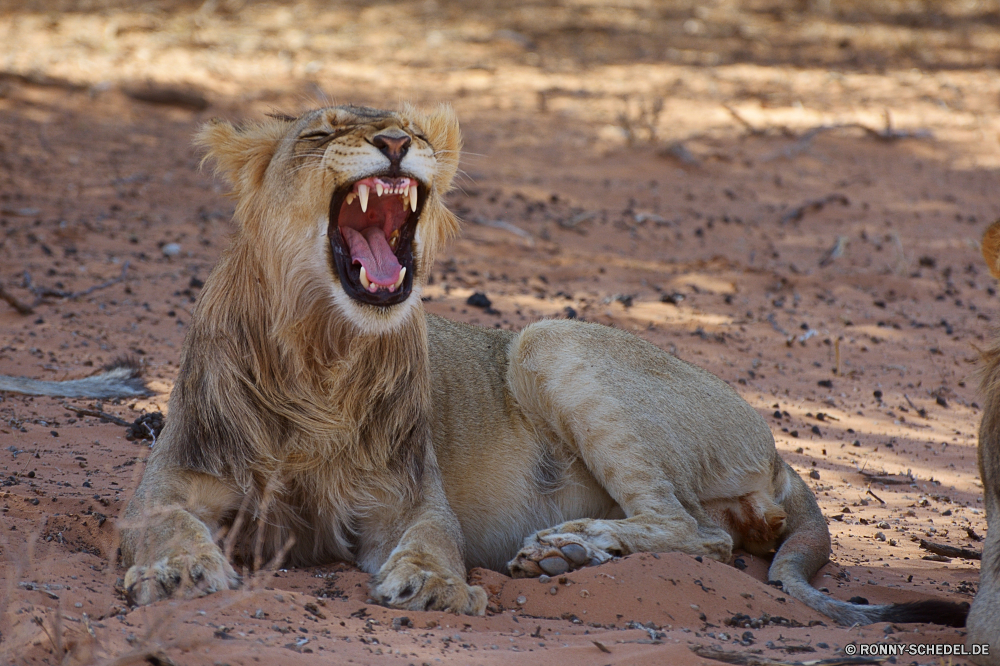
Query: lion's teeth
{"points": [[378, 188], [364, 279], [363, 197], [399, 281], [350, 198], [413, 198]]}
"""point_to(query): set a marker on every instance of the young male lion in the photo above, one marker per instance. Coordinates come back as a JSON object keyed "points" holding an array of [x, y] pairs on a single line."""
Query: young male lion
{"points": [[984, 617], [319, 413]]}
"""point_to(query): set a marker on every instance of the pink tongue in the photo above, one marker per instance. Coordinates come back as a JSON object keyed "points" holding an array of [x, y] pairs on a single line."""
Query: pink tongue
{"points": [[371, 250]]}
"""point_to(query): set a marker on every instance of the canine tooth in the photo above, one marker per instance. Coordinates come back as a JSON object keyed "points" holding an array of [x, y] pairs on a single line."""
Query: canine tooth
{"points": [[363, 197], [399, 281], [364, 279], [413, 198], [378, 188], [350, 198]]}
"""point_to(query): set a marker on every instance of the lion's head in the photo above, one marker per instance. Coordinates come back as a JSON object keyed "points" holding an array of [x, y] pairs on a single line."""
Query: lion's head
{"points": [[345, 199]]}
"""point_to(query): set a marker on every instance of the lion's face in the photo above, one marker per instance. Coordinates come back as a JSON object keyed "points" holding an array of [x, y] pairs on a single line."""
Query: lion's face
{"points": [[349, 195]]}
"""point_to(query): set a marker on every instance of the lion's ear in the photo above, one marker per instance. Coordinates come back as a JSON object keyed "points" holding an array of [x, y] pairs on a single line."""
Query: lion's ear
{"points": [[241, 154], [991, 248], [441, 129]]}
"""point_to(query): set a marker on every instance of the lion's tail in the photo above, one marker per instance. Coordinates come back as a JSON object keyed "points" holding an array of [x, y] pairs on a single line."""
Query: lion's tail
{"points": [[806, 548], [121, 379]]}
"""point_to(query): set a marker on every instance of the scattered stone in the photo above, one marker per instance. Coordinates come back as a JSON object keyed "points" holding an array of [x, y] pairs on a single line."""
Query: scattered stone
{"points": [[479, 300]]}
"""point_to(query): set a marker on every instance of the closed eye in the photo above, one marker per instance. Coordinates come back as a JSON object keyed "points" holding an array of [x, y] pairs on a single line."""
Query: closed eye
{"points": [[323, 137]]}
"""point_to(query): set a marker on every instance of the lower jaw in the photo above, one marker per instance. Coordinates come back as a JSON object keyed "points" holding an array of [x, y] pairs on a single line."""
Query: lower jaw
{"points": [[382, 298]]}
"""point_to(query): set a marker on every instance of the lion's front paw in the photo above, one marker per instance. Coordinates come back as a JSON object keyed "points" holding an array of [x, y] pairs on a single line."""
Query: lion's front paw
{"points": [[555, 554], [191, 574], [406, 584]]}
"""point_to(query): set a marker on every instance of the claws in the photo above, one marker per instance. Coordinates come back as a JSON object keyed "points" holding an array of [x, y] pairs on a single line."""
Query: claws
{"points": [[402, 584], [185, 573]]}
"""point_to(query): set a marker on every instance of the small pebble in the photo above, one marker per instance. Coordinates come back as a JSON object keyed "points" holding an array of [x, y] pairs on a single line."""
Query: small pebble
{"points": [[171, 249]]}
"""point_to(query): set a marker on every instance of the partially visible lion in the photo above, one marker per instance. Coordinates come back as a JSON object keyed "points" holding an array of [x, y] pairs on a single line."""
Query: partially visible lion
{"points": [[984, 617], [319, 414]]}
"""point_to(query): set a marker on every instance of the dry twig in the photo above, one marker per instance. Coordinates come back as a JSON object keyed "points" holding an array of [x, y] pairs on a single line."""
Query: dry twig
{"points": [[797, 213], [748, 659], [887, 479], [950, 551], [803, 141], [869, 492], [41, 292], [14, 303], [919, 410], [82, 411], [753, 131], [44, 292], [506, 226]]}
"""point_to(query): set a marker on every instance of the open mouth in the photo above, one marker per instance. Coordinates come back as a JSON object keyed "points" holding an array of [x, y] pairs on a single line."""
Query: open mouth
{"points": [[372, 225]]}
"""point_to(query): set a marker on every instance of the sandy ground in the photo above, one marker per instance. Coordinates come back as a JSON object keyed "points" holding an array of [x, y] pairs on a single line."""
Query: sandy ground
{"points": [[787, 195]]}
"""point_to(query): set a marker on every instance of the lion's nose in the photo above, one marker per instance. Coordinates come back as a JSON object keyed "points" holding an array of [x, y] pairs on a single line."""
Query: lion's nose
{"points": [[393, 147]]}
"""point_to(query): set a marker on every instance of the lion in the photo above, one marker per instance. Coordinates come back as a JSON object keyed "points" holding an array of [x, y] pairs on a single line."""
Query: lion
{"points": [[984, 616], [321, 414]]}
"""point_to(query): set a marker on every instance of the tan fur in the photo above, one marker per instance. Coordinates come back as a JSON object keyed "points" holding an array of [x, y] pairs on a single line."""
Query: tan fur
{"points": [[417, 446], [984, 617]]}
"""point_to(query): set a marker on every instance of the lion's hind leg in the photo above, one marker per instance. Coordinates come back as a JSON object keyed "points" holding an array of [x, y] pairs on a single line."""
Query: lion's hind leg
{"points": [[657, 434], [588, 542]]}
